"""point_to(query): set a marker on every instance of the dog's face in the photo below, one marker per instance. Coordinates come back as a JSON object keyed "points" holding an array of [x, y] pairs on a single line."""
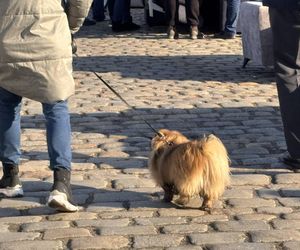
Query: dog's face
{"points": [[167, 138]]}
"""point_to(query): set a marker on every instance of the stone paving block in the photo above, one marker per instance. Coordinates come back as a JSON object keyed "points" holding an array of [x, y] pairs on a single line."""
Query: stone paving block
{"points": [[20, 219], [237, 193], [158, 221], [210, 218], [45, 225], [16, 236], [290, 192], [286, 224], [255, 202], [186, 247], [216, 238], [274, 210], [132, 182], [159, 241], [34, 185], [6, 212], [149, 205], [291, 216], [120, 197], [290, 202], [25, 202], [250, 179], [244, 246], [91, 184], [127, 214], [291, 245], [259, 217], [32, 245], [103, 223], [275, 235], [236, 226], [100, 242], [180, 212], [287, 178], [268, 193], [129, 230], [61, 233], [182, 229], [105, 206], [72, 216]]}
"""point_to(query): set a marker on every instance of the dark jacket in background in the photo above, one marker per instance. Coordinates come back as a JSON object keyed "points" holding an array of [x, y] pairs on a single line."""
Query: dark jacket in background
{"points": [[283, 4]]}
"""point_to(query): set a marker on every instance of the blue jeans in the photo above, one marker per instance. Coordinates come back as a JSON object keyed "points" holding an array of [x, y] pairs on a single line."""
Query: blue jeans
{"points": [[58, 131], [98, 10], [232, 15]]}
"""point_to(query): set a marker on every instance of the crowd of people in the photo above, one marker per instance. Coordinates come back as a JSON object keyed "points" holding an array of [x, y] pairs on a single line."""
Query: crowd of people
{"points": [[38, 65], [121, 19]]}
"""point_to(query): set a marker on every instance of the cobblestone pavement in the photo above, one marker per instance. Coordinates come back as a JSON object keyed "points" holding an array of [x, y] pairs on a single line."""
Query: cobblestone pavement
{"points": [[197, 87]]}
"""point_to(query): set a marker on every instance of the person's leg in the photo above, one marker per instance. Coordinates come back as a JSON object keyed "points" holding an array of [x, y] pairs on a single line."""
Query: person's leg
{"points": [[122, 20], [98, 10], [10, 132], [192, 16], [171, 9], [58, 130], [171, 12], [192, 12], [285, 26], [232, 15], [110, 7]]}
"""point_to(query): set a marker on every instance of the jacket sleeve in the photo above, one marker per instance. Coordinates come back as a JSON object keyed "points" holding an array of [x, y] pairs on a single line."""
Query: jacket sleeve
{"points": [[76, 11], [283, 4]]}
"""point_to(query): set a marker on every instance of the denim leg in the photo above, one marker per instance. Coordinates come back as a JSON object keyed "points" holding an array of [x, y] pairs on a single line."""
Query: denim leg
{"points": [[10, 128], [98, 10], [121, 11], [58, 134], [232, 15]]}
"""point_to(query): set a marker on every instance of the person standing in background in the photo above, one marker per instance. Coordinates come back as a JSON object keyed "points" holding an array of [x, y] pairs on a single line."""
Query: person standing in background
{"points": [[36, 62], [192, 15], [285, 25], [232, 15], [121, 19]]}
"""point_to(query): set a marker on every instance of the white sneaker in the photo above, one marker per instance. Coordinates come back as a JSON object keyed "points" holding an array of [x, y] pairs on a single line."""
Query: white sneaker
{"points": [[59, 201], [11, 192]]}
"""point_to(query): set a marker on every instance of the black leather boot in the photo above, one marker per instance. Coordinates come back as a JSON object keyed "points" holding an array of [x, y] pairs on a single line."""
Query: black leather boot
{"points": [[10, 184], [61, 195]]}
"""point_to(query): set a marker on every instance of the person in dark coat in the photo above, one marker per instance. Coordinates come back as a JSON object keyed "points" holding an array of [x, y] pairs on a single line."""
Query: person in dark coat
{"points": [[285, 25]]}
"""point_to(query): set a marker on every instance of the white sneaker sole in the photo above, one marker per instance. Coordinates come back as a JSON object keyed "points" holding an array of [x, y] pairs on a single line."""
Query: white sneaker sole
{"points": [[11, 192], [59, 201]]}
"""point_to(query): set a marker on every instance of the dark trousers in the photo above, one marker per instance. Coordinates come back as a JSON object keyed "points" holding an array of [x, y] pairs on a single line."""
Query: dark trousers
{"points": [[119, 11], [192, 11], [286, 41]]}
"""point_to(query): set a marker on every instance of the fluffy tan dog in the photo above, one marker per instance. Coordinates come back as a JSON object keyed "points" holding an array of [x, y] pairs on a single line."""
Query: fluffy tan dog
{"points": [[188, 168]]}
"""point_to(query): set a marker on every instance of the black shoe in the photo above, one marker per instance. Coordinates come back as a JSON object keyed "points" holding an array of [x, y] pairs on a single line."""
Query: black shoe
{"points": [[293, 164], [119, 27], [224, 35], [61, 196], [10, 184], [88, 22]]}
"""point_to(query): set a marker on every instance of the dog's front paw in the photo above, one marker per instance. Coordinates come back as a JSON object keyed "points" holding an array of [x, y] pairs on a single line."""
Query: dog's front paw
{"points": [[183, 200]]}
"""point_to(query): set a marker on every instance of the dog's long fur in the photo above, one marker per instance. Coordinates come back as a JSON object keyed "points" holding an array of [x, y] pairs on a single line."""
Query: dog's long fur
{"points": [[188, 168]]}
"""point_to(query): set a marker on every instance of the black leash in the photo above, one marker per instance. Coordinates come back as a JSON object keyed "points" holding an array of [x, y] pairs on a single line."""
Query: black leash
{"points": [[128, 105], [123, 100]]}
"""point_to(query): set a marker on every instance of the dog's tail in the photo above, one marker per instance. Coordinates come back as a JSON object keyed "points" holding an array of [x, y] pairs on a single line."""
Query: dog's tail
{"points": [[216, 170]]}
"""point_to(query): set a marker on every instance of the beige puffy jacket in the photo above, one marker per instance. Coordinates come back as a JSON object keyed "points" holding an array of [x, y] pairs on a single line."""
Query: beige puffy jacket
{"points": [[35, 47]]}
